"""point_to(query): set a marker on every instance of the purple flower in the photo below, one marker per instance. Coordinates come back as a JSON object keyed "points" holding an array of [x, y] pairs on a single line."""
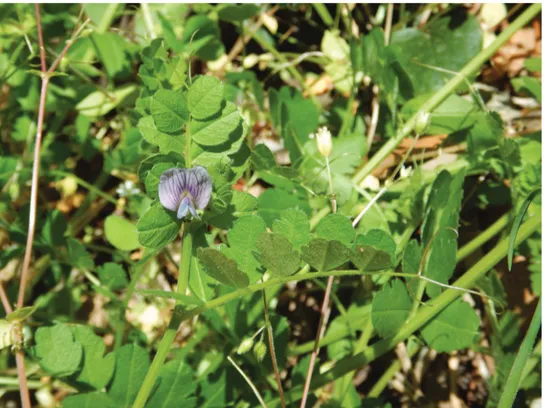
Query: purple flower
{"points": [[185, 190]]}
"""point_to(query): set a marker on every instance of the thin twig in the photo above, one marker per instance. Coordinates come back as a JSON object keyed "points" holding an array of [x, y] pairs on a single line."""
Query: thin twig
{"points": [[69, 43], [272, 349], [4, 299]]}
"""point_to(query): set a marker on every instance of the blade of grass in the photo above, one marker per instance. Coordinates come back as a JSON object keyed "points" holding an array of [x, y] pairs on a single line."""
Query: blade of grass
{"points": [[517, 223], [514, 378]]}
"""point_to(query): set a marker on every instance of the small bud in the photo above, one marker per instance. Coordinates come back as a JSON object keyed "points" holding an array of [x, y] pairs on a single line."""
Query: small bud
{"points": [[260, 351], [371, 183], [245, 345], [422, 122], [324, 141]]}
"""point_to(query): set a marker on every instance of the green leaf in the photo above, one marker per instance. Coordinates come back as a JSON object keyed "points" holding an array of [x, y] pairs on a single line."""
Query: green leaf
{"points": [[242, 238], [262, 158], [97, 369], [6, 336], [169, 110], [167, 142], [454, 328], [131, 365], [174, 159], [176, 384], [411, 258], [77, 254], [217, 129], [449, 43], [153, 178], [237, 13], [57, 351], [368, 258], [443, 206], [205, 97], [294, 225], [121, 233], [241, 204], [533, 64], [273, 201], [390, 308], [528, 85], [99, 104], [111, 50], [277, 255], [336, 227], [88, 400], [113, 276], [517, 223], [21, 314], [380, 240], [158, 227], [54, 228], [201, 284], [221, 268], [202, 36], [324, 255], [183, 299]]}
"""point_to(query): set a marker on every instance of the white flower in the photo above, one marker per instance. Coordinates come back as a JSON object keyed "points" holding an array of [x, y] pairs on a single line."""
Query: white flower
{"points": [[371, 183], [405, 172], [324, 141], [127, 189]]}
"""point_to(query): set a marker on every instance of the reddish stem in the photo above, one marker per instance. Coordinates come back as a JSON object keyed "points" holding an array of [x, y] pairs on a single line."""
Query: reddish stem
{"points": [[325, 312]]}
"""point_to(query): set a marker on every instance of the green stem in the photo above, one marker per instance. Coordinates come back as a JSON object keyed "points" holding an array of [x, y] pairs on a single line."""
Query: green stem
{"points": [[514, 378], [482, 238], [468, 70], [380, 385], [467, 281], [177, 318], [324, 14]]}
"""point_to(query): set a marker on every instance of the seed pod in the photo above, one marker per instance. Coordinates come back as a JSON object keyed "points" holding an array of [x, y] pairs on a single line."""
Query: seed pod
{"points": [[259, 350], [245, 345]]}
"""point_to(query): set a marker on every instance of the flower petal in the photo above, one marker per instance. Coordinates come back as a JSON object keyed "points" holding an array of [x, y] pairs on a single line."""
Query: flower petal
{"points": [[200, 186], [172, 184], [184, 207]]}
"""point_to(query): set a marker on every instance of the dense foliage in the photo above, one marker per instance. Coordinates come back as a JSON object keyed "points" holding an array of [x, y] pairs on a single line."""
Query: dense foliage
{"points": [[395, 150]]}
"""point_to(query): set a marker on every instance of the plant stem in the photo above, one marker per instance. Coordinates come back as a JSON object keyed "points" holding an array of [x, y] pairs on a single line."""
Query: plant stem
{"points": [[467, 281], [482, 238], [514, 378], [325, 306], [272, 349], [324, 14], [250, 383], [175, 321], [390, 372], [446, 90]]}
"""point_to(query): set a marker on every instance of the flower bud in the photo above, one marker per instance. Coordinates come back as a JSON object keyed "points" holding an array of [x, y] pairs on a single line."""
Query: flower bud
{"points": [[324, 141], [423, 120], [245, 345], [260, 350]]}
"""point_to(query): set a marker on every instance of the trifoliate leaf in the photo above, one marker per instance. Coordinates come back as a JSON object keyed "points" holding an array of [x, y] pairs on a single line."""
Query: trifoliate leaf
{"points": [[169, 110], [336, 227], [221, 268], [277, 255], [158, 227], [57, 351], [324, 255], [205, 97]]}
